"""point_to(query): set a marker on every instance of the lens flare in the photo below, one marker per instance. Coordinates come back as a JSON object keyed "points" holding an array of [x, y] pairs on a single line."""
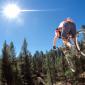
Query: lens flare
{"points": [[11, 11]]}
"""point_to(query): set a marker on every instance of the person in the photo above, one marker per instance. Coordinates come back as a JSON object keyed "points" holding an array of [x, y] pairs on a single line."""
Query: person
{"points": [[66, 27]]}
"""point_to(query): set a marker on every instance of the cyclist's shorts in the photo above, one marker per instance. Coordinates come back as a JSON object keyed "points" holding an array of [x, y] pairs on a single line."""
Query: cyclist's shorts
{"points": [[68, 27]]}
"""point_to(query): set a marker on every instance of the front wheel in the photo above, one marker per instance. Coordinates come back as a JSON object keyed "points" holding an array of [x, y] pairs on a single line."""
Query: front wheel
{"points": [[80, 41]]}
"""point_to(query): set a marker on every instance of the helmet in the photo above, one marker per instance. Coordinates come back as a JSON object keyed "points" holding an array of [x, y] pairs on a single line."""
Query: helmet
{"points": [[68, 19]]}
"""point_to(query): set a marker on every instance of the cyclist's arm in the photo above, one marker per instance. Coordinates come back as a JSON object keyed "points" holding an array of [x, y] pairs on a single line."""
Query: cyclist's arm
{"points": [[57, 34], [55, 38]]}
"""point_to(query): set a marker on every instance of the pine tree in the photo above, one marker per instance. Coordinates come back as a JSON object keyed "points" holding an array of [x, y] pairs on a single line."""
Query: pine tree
{"points": [[13, 60], [26, 73], [49, 74], [12, 52], [7, 73], [38, 66]]}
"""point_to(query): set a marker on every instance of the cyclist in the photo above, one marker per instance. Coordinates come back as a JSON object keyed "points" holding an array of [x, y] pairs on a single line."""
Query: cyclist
{"points": [[65, 28]]}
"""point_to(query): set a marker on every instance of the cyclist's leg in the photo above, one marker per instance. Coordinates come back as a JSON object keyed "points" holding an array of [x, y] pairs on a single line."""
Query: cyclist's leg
{"points": [[74, 40], [73, 33], [66, 29], [66, 42], [67, 57]]}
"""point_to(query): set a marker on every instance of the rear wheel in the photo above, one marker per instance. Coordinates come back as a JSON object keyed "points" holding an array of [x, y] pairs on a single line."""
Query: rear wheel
{"points": [[80, 42]]}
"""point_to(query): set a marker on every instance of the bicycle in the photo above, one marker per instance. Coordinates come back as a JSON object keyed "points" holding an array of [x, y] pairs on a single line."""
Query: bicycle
{"points": [[79, 48]]}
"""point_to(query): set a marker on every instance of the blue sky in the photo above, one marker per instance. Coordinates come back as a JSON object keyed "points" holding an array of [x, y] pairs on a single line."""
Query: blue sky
{"points": [[38, 27]]}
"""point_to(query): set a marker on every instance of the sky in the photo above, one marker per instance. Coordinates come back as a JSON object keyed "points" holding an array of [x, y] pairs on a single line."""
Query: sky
{"points": [[38, 27]]}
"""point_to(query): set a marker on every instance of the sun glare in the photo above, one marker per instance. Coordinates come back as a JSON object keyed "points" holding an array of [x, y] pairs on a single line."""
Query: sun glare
{"points": [[11, 11]]}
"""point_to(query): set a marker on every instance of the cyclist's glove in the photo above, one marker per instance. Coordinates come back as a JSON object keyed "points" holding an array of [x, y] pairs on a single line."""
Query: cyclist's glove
{"points": [[54, 47], [59, 36]]}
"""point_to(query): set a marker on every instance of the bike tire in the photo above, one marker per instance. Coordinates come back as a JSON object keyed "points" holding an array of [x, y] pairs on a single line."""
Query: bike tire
{"points": [[80, 42]]}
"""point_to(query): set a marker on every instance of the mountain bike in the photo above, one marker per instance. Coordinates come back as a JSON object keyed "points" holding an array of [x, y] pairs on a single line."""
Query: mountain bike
{"points": [[78, 48]]}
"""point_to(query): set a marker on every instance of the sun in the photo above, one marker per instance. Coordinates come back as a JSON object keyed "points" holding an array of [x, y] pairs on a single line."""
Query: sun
{"points": [[11, 11]]}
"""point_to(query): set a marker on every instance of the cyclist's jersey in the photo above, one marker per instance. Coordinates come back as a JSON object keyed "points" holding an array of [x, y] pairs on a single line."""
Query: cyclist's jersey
{"points": [[59, 29], [65, 26], [61, 24]]}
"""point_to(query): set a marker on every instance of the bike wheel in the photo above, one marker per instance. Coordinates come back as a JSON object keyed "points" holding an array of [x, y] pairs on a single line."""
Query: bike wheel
{"points": [[80, 42]]}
